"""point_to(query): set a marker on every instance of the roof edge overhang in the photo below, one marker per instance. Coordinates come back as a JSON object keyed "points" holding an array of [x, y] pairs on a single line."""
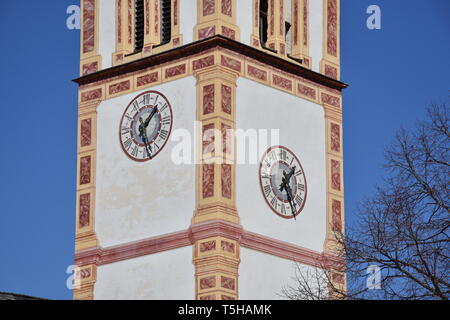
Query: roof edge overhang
{"points": [[200, 46]]}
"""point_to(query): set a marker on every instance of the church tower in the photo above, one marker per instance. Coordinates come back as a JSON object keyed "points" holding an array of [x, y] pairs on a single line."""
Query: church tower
{"points": [[210, 155]]}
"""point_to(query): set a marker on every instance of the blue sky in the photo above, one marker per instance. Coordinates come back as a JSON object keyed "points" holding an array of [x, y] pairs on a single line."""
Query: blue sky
{"points": [[393, 74]]}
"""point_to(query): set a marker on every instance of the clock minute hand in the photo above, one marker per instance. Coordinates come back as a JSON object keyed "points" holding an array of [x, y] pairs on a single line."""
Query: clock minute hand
{"points": [[147, 121]]}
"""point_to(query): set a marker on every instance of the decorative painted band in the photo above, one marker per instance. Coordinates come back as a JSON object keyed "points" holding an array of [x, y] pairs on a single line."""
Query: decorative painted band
{"points": [[247, 239]]}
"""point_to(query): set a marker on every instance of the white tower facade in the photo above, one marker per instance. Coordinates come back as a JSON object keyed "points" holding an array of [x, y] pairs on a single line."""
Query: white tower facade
{"points": [[210, 147]]}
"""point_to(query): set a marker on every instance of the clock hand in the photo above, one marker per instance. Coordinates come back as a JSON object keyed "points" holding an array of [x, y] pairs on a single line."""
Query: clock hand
{"points": [[147, 121]]}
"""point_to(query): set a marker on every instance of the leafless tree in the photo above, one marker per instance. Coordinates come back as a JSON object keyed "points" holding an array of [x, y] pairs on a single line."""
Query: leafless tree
{"points": [[403, 228]]}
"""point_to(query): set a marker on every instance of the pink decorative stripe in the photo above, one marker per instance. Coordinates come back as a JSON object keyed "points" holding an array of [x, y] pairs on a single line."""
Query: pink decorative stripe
{"points": [[85, 132], [119, 21], [91, 95], [296, 22], [147, 16], [305, 23], [231, 63], [202, 63], [282, 82], [272, 19], [205, 230], [119, 87], [102, 256], [130, 22], [208, 138], [176, 71], [331, 100], [147, 79], [226, 138], [175, 12]]}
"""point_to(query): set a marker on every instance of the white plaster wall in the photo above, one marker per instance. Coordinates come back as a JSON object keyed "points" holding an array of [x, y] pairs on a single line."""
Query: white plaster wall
{"points": [[302, 130], [188, 19], [244, 19], [316, 33], [139, 200], [167, 275], [106, 34], [266, 282]]}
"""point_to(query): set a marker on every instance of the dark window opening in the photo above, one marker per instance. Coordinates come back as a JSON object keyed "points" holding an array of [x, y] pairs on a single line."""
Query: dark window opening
{"points": [[263, 22], [139, 25], [166, 21]]}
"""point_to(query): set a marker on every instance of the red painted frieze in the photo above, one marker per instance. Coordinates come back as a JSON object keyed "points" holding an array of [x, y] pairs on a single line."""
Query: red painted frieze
{"points": [[147, 79], [85, 170], [331, 100], [231, 63], [207, 283], [206, 32], [337, 218], [208, 246], [208, 99], [226, 181], [176, 71], [202, 63], [90, 68], [119, 87], [208, 181], [91, 95], [88, 25], [336, 175], [332, 27], [226, 7], [335, 138], [228, 246], [84, 210], [85, 132], [208, 7], [226, 99], [229, 33], [227, 283], [307, 91], [282, 82], [257, 73]]}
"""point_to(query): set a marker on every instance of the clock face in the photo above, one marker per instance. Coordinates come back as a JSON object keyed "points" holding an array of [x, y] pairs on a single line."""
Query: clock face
{"points": [[283, 182], [145, 126]]}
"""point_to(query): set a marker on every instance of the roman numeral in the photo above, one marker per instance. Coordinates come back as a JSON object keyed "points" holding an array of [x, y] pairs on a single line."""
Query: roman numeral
{"points": [[283, 155], [164, 107], [301, 186], [274, 202], [136, 106], [299, 172], [125, 130], [128, 117], [134, 152], [127, 143], [283, 209], [146, 99], [267, 190], [163, 134], [265, 176], [166, 120], [299, 200]]}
